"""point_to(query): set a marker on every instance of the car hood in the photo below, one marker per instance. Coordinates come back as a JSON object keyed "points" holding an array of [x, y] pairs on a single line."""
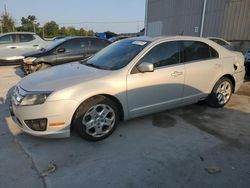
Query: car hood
{"points": [[61, 77]]}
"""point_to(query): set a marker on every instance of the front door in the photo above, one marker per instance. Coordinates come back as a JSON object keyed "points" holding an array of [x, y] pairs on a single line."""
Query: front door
{"points": [[154, 91], [70, 51]]}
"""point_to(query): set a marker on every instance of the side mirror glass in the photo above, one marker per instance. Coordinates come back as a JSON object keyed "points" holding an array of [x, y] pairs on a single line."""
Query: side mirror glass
{"points": [[60, 50], [145, 67]]}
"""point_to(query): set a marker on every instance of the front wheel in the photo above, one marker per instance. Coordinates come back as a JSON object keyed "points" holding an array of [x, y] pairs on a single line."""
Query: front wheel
{"points": [[221, 93], [96, 119]]}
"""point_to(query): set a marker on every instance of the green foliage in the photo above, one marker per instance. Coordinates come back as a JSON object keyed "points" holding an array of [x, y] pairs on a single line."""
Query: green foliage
{"points": [[7, 22], [29, 24], [49, 30], [90, 33], [72, 31]]}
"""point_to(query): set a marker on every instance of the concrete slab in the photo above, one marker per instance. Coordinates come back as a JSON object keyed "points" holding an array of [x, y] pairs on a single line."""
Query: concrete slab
{"points": [[169, 149]]}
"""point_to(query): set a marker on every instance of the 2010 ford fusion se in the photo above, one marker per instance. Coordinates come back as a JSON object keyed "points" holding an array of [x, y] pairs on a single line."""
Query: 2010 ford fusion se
{"points": [[129, 78]]}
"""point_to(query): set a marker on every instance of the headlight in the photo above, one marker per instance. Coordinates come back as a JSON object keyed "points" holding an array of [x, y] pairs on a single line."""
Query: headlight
{"points": [[29, 60], [34, 98]]}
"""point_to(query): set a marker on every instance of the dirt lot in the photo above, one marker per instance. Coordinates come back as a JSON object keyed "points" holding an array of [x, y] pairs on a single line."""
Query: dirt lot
{"points": [[192, 146]]}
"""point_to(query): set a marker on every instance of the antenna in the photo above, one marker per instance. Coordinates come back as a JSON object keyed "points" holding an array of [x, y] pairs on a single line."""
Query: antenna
{"points": [[5, 9]]}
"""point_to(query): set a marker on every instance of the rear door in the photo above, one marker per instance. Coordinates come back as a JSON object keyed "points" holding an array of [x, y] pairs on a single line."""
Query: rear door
{"points": [[153, 91], [96, 45], [202, 68], [8, 46], [26, 43], [70, 51]]}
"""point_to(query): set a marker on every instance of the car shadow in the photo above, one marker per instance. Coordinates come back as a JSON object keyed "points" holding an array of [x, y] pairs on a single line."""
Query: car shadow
{"points": [[19, 72]]}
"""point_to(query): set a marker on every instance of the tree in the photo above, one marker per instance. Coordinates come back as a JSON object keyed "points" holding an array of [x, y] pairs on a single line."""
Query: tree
{"points": [[82, 32], [72, 31], [29, 24], [51, 29], [90, 33], [7, 22], [63, 31]]}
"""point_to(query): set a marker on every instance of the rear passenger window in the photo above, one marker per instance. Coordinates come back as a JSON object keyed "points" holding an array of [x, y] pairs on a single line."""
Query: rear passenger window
{"points": [[220, 42], [98, 44], [163, 54], [195, 50], [26, 37], [7, 39]]}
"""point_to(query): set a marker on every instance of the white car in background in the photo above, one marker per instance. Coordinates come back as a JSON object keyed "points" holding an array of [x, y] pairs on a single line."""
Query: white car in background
{"points": [[13, 45], [129, 78]]}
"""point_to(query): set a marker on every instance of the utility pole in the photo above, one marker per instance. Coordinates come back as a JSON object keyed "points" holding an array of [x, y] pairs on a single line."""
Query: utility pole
{"points": [[43, 32], [146, 19], [203, 17], [34, 26], [5, 9]]}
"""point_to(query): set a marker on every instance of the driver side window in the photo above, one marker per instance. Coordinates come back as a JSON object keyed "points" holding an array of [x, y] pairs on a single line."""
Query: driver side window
{"points": [[72, 45], [163, 54]]}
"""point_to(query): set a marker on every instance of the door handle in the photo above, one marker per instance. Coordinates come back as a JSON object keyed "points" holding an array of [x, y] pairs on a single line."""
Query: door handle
{"points": [[36, 45], [12, 47], [176, 73]]}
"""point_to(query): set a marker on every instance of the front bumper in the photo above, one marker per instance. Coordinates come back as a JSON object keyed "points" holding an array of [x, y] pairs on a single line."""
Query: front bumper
{"points": [[54, 111]]}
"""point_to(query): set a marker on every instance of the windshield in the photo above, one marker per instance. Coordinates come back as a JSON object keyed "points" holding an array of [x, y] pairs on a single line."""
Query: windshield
{"points": [[117, 55], [54, 44]]}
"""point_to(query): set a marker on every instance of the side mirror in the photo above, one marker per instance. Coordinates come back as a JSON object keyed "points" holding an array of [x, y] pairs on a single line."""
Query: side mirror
{"points": [[60, 50], [145, 67]]}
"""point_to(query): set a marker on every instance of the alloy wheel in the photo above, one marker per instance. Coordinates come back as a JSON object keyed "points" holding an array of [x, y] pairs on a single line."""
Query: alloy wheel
{"points": [[99, 120], [223, 92]]}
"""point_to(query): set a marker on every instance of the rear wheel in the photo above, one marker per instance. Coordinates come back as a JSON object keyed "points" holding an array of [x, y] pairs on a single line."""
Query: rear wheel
{"points": [[96, 119], [221, 93]]}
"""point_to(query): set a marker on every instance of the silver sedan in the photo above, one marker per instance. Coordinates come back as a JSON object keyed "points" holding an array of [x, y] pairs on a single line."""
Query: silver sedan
{"points": [[127, 79]]}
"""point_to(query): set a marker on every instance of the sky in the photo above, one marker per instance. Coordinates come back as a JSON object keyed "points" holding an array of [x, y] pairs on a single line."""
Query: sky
{"points": [[120, 16]]}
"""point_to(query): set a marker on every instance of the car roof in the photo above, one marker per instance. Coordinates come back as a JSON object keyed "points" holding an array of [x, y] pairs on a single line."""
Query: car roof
{"points": [[76, 37], [17, 33], [216, 38], [176, 37]]}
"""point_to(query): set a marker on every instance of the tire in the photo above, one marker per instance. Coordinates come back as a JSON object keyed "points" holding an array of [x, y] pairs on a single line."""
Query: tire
{"points": [[96, 118], [221, 93], [40, 66]]}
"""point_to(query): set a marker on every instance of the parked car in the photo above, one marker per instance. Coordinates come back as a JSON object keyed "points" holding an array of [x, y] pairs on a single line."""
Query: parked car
{"points": [[247, 61], [13, 45], [62, 51], [223, 43], [129, 78]]}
